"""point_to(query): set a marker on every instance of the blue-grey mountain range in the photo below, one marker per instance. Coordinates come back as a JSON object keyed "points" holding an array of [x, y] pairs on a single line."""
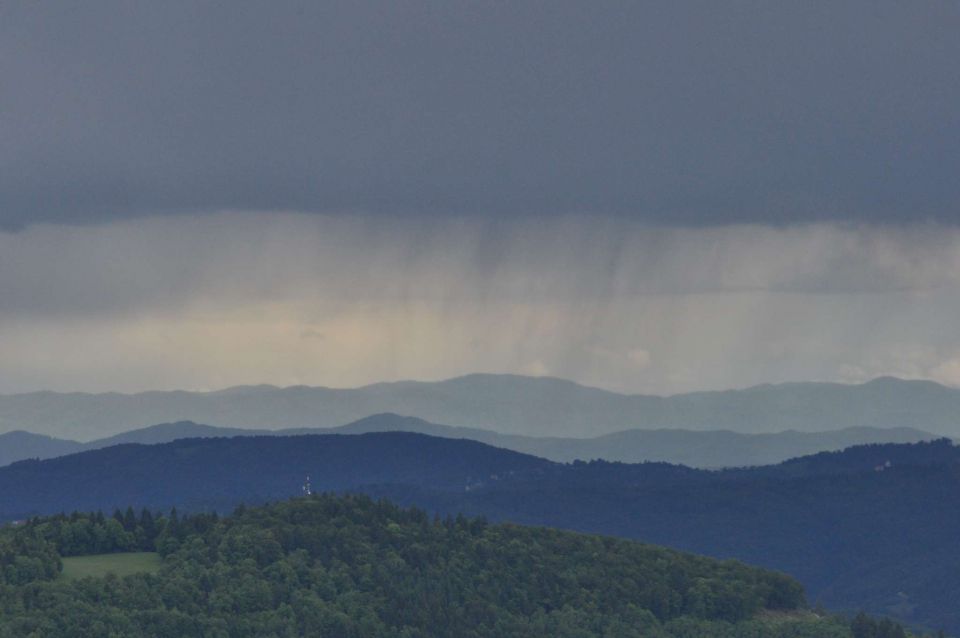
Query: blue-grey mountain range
{"points": [[506, 404], [703, 449]]}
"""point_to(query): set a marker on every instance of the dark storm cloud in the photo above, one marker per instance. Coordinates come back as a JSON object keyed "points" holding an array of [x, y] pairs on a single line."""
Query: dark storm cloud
{"points": [[679, 113]]}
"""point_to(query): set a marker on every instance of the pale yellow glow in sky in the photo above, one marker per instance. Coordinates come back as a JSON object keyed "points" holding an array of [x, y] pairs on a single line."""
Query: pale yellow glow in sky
{"points": [[219, 300]]}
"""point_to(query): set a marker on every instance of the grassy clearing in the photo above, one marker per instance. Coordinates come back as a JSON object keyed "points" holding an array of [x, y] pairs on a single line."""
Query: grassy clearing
{"points": [[102, 564]]}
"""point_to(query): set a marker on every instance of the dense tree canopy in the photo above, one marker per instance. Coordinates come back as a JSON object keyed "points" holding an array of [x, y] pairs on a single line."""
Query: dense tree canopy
{"points": [[354, 567]]}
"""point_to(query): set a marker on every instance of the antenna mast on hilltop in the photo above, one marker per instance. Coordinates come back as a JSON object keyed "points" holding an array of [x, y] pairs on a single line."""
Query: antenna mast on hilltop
{"points": [[307, 490]]}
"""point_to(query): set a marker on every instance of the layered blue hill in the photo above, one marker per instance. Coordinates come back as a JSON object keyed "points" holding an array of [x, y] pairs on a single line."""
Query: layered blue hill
{"points": [[507, 404]]}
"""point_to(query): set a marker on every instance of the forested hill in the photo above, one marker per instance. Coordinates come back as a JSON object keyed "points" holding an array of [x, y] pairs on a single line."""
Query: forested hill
{"points": [[351, 567], [875, 457], [221, 472], [858, 532], [872, 527]]}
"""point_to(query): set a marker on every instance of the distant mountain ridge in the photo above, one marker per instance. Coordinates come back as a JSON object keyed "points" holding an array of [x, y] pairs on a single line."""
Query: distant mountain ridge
{"points": [[508, 404], [704, 449], [220, 472], [18, 445]]}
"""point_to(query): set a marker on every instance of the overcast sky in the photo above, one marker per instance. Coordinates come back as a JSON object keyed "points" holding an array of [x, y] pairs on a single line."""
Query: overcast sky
{"points": [[649, 197]]}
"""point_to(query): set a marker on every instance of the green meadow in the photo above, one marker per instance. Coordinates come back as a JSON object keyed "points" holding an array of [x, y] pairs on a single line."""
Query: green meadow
{"points": [[122, 564]]}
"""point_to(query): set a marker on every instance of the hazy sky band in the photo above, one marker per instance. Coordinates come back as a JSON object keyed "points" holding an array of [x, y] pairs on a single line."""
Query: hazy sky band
{"points": [[672, 113], [213, 300]]}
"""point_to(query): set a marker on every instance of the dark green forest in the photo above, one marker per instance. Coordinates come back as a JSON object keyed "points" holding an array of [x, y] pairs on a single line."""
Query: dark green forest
{"points": [[351, 566]]}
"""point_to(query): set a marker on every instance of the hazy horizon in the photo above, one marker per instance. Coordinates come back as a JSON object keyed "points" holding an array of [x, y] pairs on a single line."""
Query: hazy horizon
{"points": [[475, 374]]}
